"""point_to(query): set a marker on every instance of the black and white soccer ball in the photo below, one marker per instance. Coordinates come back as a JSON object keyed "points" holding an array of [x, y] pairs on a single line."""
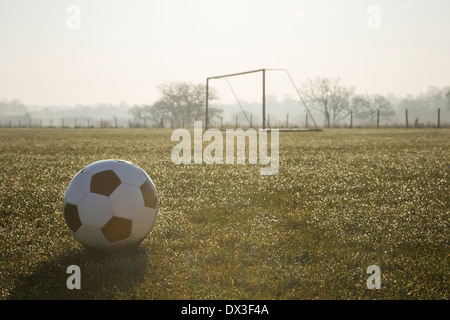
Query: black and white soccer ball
{"points": [[110, 204]]}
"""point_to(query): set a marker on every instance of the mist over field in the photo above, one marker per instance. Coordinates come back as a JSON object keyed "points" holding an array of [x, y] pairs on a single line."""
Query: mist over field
{"points": [[422, 111], [100, 59]]}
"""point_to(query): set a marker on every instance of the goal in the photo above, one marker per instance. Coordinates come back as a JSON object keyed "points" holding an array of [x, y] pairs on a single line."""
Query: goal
{"points": [[265, 117]]}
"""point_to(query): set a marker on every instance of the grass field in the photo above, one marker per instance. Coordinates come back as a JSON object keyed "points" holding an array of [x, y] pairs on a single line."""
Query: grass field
{"points": [[341, 201]]}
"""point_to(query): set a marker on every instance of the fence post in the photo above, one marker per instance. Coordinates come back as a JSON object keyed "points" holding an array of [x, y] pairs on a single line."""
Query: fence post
{"points": [[439, 118], [351, 119], [287, 120], [251, 121], [378, 119], [221, 122], [236, 122], [406, 115], [306, 120]]}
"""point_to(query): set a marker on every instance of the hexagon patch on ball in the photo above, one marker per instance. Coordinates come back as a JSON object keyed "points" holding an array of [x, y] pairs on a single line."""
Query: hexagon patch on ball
{"points": [[110, 204]]}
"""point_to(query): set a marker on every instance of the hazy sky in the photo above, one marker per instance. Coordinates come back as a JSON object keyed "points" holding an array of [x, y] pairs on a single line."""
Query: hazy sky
{"points": [[124, 49]]}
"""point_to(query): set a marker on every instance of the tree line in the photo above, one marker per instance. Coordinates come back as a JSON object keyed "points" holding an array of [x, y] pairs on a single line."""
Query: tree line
{"points": [[181, 103], [337, 102]]}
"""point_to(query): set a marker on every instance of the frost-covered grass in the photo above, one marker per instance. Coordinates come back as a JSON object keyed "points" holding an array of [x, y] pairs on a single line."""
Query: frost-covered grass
{"points": [[341, 201]]}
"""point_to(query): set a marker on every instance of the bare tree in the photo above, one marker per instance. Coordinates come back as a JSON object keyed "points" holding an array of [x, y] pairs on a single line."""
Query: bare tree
{"points": [[367, 106], [140, 112], [332, 99], [340, 103], [181, 103]]}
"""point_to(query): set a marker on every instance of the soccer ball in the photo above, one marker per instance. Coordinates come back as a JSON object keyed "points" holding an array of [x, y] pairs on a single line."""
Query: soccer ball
{"points": [[110, 204]]}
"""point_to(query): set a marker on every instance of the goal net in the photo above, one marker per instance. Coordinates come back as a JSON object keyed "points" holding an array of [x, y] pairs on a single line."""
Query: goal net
{"points": [[263, 98]]}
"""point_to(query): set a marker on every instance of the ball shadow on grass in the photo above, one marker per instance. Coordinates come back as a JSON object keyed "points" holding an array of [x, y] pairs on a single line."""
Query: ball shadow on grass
{"points": [[104, 275]]}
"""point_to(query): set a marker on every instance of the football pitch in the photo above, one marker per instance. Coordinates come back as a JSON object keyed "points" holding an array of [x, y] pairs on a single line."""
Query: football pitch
{"points": [[342, 201]]}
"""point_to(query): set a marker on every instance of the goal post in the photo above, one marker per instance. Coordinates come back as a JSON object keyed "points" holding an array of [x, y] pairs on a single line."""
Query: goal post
{"points": [[263, 73]]}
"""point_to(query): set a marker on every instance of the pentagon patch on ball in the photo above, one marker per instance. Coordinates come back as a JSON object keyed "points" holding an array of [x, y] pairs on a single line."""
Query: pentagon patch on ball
{"points": [[110, 204]]}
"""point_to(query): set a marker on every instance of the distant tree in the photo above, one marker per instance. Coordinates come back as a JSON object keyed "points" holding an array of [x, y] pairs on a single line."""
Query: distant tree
{"points": [[181, 102], [435, 97], [140, 112], [331, 98], [367, 106], [432, 99], [447, 95], [13, 107], [340, 103]]}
